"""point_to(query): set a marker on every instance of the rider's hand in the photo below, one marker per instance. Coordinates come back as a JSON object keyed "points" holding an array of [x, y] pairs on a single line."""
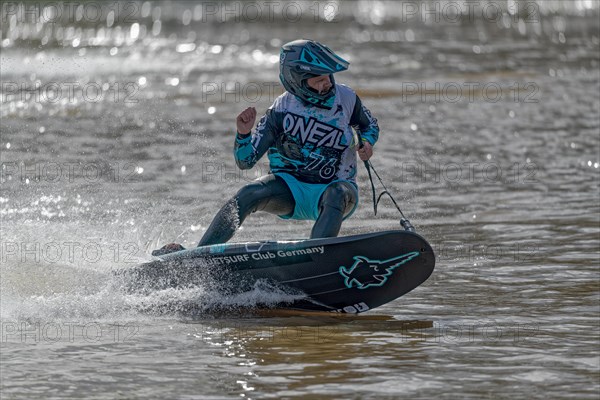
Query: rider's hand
{"points": [[245, 121], [366, 151]]}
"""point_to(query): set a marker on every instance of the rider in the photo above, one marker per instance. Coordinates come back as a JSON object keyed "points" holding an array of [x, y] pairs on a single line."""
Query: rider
{"points": [[311, 147]]}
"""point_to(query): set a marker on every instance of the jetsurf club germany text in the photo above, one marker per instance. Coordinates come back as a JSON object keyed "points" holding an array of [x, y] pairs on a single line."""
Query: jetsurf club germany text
{"points": [[267, 255], [313, 131]]}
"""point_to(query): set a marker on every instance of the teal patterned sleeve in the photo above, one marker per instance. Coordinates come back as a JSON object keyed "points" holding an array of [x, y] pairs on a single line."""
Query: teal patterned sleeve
{"points": [[248, 149], [364, 123]]}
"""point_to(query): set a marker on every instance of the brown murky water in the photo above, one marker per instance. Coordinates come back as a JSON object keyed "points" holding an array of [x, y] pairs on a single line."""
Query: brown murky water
{"points": [[117, 133]]}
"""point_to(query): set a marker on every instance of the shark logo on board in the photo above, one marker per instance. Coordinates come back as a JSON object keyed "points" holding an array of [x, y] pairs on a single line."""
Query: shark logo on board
{"points": [[366, 273]]}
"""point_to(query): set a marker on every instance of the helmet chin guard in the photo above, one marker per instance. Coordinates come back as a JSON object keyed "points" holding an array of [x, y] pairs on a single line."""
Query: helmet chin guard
{"points": [[303, 59]]}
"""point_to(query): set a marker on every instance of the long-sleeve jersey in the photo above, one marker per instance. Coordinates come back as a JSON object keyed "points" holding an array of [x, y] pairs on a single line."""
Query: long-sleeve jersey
{"points": [[314, 145]]}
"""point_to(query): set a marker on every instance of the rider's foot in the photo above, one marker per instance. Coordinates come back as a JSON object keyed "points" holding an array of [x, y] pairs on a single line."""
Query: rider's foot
{"points": [[168, 248]]}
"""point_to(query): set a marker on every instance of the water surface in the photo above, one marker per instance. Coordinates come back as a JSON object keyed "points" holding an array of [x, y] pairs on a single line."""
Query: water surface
{"points": [[488, 138]]}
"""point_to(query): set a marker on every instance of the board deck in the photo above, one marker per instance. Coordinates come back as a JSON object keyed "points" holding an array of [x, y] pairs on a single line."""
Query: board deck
{"points": [[350, 274]]}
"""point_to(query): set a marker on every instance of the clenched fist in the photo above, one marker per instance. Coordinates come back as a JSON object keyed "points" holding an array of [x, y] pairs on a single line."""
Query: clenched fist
{"points": [[245, 121]]}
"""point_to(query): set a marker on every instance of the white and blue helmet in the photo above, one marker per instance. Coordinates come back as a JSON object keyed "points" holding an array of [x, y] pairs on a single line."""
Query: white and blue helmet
{"points": [[303, 59]]}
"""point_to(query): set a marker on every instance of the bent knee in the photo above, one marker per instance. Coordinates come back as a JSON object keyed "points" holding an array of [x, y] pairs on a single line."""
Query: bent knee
{"points": [[250, 197], [340, 195]]}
